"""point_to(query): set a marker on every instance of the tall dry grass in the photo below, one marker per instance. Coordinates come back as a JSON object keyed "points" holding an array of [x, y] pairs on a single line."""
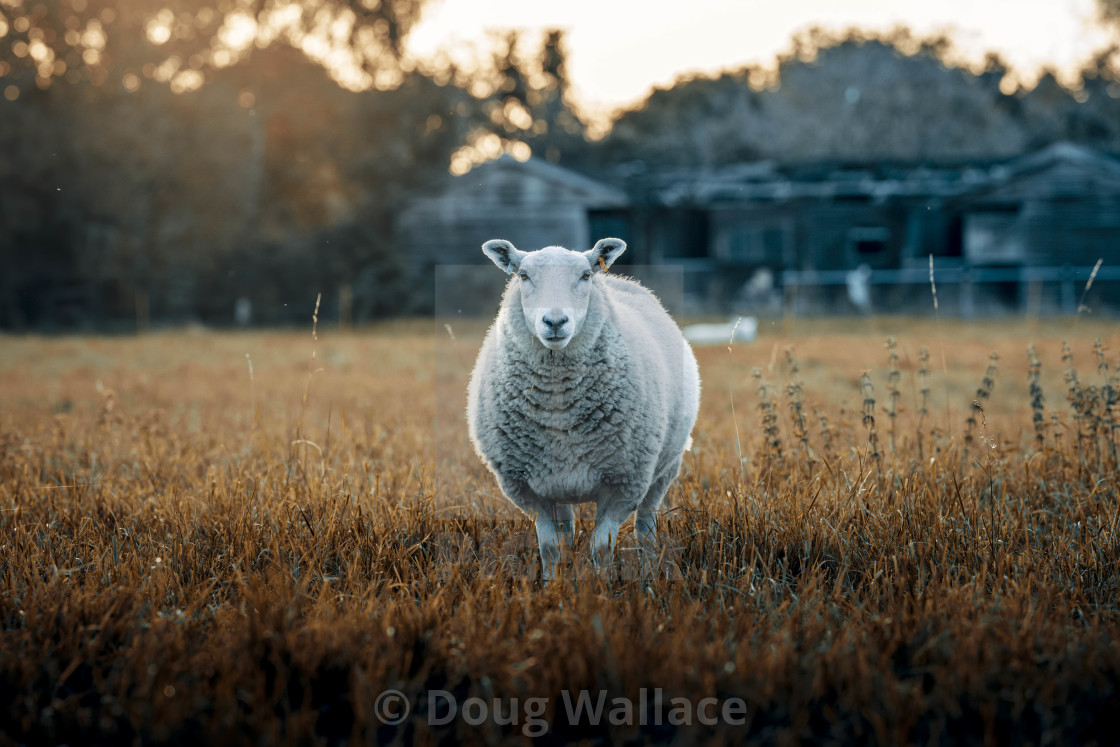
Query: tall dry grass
{"points": [[240, 538]]}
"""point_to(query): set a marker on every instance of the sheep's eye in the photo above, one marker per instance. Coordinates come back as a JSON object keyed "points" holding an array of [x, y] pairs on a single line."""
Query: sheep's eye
{"points": [[523, 275], [585, 275]]}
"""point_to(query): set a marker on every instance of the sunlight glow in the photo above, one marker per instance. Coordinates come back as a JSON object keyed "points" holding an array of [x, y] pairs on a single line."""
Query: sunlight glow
{"points": [[340, 28], [517, 115], [278, 23], [45, 59], [315, 47], [238, 32], [39, 51], [94, 36], [357, 59], [158, 34], [159, 28], [486, 147], [187, 80], [616, 55], [166, 71]]}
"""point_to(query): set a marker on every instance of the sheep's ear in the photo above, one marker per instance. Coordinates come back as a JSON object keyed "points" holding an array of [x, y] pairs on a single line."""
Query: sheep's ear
{"points": [[504, 254], [604, 253]]}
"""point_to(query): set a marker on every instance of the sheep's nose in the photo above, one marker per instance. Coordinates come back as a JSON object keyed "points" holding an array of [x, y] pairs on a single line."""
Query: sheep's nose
{"points": [[555, 322]]}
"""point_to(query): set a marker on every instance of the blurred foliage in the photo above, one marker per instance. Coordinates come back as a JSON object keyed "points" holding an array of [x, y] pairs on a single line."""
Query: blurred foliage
{"points": [[173, 160], [1109, 10], [533, 101], [163, 161], [182, 42], [864, 96]]}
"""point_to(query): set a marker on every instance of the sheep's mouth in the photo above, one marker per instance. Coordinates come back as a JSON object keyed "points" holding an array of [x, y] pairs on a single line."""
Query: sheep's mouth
{"points": [[555, 342]]}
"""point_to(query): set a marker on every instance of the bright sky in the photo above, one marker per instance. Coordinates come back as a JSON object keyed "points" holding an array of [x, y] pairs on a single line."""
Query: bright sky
{"points": [[619, 49]]}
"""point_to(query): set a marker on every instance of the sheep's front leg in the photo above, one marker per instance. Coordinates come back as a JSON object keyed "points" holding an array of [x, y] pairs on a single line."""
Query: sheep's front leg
{"points": [[608, 519], [645, 520], [555, 527], [603, 540], [645, 526], [555, 523]]}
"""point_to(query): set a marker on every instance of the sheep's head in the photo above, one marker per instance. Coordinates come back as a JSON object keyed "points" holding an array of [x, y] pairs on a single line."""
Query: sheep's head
{"points": [[555, 284]]}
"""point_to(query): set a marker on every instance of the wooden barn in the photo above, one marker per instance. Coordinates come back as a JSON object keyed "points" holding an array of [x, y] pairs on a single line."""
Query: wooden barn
{"points": [[1010, 235], [1058, 206], [1015, 223], [532, 203]]}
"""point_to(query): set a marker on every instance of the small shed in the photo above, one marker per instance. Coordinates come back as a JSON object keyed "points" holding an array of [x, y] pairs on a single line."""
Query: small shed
{"points": [[532, 203], [1059, 205], [1038, 219]]}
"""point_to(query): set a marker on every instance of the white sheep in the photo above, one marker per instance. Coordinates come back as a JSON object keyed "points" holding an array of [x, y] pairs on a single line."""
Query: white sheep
{"points": [[584, 391]]}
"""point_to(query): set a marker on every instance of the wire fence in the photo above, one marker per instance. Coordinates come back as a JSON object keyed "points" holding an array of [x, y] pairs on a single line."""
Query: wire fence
{"points": [[967, 291]]}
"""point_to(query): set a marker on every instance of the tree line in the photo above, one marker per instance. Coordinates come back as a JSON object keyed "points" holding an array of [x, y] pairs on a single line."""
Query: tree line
{"points": [[161, 164]]}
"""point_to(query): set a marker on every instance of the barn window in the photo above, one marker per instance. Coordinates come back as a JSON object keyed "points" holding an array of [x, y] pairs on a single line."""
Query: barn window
{"points": [[869, 245], [994, 236]]}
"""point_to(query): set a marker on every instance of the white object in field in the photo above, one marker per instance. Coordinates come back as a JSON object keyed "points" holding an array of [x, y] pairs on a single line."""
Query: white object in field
{"points": [[243, 312], [859, 287], [584, 391], [721, 334]]}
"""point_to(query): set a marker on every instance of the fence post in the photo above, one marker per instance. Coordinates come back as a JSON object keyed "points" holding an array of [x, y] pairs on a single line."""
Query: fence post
{"points": [[1069, 292], [789, 298], [1034, 298], [345, 305], [968, 307], [142, 311]]}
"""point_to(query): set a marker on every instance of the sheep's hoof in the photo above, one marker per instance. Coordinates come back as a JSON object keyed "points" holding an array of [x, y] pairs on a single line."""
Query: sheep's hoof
{"points": [[549, 574], [607, 569], [671, 571]]}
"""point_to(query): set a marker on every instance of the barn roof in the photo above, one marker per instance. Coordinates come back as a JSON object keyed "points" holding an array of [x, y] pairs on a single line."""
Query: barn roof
{"points": [[1060, 170], [1079, 169], [571, 186], [1064, 152]]}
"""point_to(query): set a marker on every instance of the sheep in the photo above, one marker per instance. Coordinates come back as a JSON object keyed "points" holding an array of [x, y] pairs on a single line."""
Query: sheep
{"points": [[584, 390], [739, 329]]}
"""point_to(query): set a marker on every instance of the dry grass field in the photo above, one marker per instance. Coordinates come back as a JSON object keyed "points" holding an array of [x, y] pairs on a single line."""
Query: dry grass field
{"points": [[245, 538]]}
